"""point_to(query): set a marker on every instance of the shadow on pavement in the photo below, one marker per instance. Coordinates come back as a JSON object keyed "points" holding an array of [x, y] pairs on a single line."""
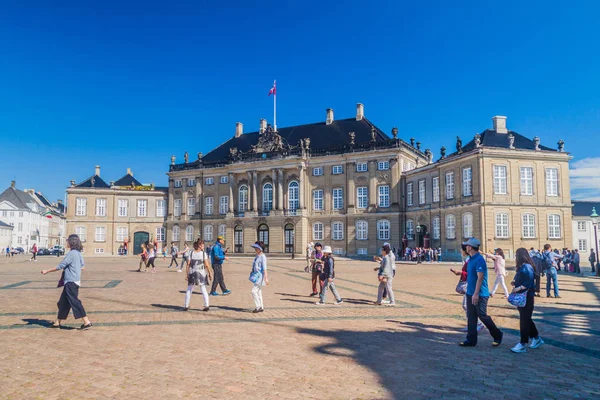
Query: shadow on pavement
{"points": [[44, 323]]}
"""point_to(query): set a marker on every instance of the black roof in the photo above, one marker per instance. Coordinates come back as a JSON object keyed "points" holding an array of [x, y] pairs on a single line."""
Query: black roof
{"points": [[584, 208], [43, 199], [93, 182], [60, 207], [127, 180], [5, 225], [491, 138], [17, 197]]}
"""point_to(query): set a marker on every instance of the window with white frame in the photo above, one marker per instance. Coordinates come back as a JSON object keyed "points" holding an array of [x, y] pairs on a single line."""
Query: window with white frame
{"points": [[410, 229], [362, 230], [161, 208], [362, 167], [191, 182], [337, 231], [122, 207], [318, 171], [176, 232], [337, 169], [293, 196], [267, 197], [101, 207], [338, 251], [450, 226], [208, 233], [177, 207], [19, 240], [409, 194], [502, 226], [81, 208], [224, 179], [142, 208], [581, 226], [99, 251], [362, 197], [209, 181], [582, 245], [383, 165], [318, 231], [20, 214], [222, 230], [80, 231], [338, 199], [449, 185], [528, 226], [318, 200], [467, 225], [243, 198], [223, 205], [526, 181], [383, 229], [467, 181], [435, 183], [160, 234], [552, 181], [177, 183], [20, 226], [384, 196], [435, 223], [208, 206], [422, 192], [121, 233], [100, 234], [362, 251], [554, 231], [191, 206], [500, 179], [189, 233]]}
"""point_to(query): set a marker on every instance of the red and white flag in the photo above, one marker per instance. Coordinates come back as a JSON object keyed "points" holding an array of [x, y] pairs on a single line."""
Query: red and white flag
{"points": [[273, 90]]}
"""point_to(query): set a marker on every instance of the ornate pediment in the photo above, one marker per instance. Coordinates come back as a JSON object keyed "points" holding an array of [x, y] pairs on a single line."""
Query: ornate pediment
{"points": [[269, 141]]}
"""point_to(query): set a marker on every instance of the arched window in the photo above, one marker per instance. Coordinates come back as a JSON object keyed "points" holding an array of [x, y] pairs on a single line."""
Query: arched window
{"points": [[263, 236], [467, 225], [410, 229], [362, 230], [529, 226], [267, 197], [502, 225], [208, 233], [289, 238], [238, 239], [383, 229], [337, 231], [293, 196], [222, 230], [318, 231], [243, 199], [435, 222], [175, 233], [189, 233], [554, 230], [450, 226]]}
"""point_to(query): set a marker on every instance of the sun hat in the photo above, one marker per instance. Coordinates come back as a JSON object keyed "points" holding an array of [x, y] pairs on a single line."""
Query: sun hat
{"points": [[327, 249], [257, 246]]}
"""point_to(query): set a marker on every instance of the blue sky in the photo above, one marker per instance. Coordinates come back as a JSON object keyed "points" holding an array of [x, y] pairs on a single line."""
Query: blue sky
{"points": [[128, 84]]}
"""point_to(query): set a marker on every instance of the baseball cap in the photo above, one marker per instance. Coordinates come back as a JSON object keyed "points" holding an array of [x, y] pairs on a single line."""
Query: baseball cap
{"points": [[220, 238], [472, 242]]}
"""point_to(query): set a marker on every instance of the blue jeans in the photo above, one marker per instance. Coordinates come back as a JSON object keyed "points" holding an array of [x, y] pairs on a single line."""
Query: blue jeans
{"points": [[552, 278]]}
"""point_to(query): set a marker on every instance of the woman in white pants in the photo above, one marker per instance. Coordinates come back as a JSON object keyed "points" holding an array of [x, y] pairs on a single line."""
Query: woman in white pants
{"points": [[197, 272], [500, 270], [258, 276]]}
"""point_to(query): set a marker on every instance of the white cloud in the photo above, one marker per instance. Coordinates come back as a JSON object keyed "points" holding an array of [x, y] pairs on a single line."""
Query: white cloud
{"points": [[585, 179]]}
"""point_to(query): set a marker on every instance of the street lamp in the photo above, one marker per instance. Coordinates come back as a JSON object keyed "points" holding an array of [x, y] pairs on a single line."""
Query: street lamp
{"points": [[595, 217]]}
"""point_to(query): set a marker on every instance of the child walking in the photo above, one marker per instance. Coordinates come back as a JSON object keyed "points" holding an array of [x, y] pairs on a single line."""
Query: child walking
{"points": [[328, 277]]}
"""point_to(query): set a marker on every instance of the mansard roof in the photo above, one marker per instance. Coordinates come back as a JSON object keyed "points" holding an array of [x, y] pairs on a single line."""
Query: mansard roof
{"points": [[43, 199], [584, 208], [17, 197], [491, 138], [5, 225], [93, 181], [128, 180]]}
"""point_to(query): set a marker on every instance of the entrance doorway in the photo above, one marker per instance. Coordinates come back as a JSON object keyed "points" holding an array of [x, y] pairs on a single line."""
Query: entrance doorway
{"points": [[263, 236], [138, 239], [421, 232], [289, 238], [238, 239]]}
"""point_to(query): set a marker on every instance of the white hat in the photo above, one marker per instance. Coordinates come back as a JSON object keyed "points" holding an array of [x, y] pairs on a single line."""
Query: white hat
{"points": [[257, 246], [327, 249]]}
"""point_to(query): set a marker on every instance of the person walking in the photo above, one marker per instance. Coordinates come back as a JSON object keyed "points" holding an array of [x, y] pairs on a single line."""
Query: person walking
{"points": [[478, 296], [143, 258], [151, 258], [218, 256], [185, 256], [316, 269], [385, 276], [592, 260], [577, 261], [500, 270], [258, 276], [538, 269], [463, 278], [550, 260], [525, 282], [34, 251], [309, 250], [328, 277], [393, 260], [71, 266], [197, 272], [174, 253], [7, 251]]}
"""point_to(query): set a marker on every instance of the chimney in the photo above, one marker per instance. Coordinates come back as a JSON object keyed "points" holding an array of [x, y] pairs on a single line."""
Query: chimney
{"points": [[360, 112], [500, 124], [97, 170], [129, 172], [263, 126], [239, 129], [59, 201], [329, 119], [12, 184]]}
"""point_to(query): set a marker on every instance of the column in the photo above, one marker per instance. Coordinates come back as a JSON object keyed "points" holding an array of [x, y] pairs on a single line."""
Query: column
{"points": [[276, 203], [254, 194], [199, 204], [395, 183], [231, 183], [250, 192], [170, 205], [372, 183], [301, 186], [280, 188], [350, 190]]}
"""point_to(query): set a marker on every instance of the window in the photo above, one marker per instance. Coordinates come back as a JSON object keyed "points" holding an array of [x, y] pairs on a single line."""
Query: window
{"points": [[384, 196], [100, 234], [582, 246], [176, 233], [224, 179], [21, 214], [4, 213], [243, 198], [177, 207], [121, 233], [362, 230], [383, 229], [222, 230], [318, 200], [208, 206], [499, 179], [528, 226], [177, 183], [435, 223], [189, 233], [81, 208], [410, 229], [435, 183], [362, 197], [161, 208], [317, 171], [467, 225], [101, 207], [99, 251], [362, 167], [318, 231], [293, 196], [383, 165], [581, 226], [223, 205], [160, 234], [19, 240], [338, 199], [209, 181], [80, 231], [526, 181], [20, 226], [552, 181], [337, 169], [338, 251], [409, 194], [208, 233], [191, 182], [450, 226], [554, 226], [337, 231], [422, 192], [449, 185], [142, 208], [361, 251], [267, 197], [191, 206], [467, 182], [122, 207], [502, 226]]}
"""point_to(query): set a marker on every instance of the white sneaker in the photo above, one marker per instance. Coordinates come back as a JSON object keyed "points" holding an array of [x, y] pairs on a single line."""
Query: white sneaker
{"points": [[535, 343], [519, 348], [178, 270], [319, 303], [338, 302], [385, 301]]}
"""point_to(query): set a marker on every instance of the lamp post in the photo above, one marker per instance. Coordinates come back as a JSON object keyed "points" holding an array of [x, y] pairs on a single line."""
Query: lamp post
{"points": [[595, 218]]}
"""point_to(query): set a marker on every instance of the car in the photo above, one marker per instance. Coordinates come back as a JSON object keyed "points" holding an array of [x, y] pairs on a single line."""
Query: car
{"points": [[18, 250], [57, 251], [42, 251]]}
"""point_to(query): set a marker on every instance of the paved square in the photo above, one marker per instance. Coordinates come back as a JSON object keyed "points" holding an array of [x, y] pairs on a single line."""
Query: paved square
{"points": [[142, 346]]}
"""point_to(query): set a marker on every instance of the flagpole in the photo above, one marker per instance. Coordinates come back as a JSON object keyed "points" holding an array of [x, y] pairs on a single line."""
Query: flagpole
{"points": [[275, 106]]}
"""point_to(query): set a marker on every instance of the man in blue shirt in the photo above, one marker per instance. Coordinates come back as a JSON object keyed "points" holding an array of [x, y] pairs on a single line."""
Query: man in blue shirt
{"points": [[218, 256], [477, 296]]}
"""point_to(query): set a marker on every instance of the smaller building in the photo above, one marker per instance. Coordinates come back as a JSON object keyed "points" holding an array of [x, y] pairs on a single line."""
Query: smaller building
{"points": [[583, 229], [6, 231]]}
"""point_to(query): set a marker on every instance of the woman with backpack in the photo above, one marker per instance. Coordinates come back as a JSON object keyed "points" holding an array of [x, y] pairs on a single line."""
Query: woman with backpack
{"points": [[327, 277], [258, 276], [525, 283], [500, 270], [197, 272]]}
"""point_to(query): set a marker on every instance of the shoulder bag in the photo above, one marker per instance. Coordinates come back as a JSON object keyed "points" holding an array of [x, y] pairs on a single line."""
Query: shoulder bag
{"points": [[461, 287]]}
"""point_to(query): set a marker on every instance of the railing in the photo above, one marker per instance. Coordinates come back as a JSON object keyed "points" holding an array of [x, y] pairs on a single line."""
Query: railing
{"points": [[265, 213], [290, 213]]}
